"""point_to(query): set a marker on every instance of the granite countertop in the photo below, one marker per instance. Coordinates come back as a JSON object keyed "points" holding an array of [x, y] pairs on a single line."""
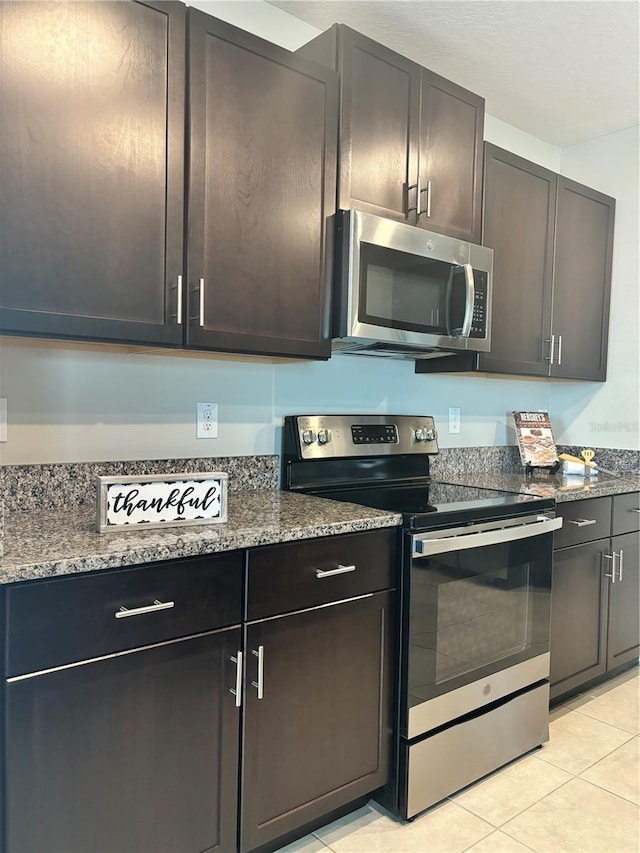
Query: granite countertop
{"points": [[62, 542], [562, 488]]}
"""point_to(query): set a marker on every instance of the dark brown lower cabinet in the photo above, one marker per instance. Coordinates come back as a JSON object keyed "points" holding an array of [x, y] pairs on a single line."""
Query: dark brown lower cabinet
{"points": [[132, 753], [317, 714], [623, 637], [595, 618], [579, 600]]}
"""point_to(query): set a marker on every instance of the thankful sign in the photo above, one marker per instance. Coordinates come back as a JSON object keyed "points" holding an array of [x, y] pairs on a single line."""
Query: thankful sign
{"points": [[160, 500]]}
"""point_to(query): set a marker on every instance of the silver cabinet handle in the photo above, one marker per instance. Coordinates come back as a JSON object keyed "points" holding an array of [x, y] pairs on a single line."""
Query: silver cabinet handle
{"points": [[237, 690], [634, 510], [583, 522], [200, 315], [259, 684], [178, 288], [138, 611], [559, 350], [552, 341], [415, 187], [428, 192], [328, 573], [620, 557], [613, 566]]}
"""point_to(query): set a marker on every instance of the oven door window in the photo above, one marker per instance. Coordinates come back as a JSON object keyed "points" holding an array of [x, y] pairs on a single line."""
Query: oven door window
{"points": [[403, 291], [474, 612]]}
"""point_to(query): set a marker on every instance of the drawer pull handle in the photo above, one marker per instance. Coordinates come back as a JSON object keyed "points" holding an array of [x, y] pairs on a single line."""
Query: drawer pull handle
{"points": [[583, 522], [237, 691], [138, 611], [341, 570], [634, 510]]}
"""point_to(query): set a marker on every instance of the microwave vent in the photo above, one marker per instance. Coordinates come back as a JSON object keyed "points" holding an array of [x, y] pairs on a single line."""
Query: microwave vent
{"points": [[387, 350]]}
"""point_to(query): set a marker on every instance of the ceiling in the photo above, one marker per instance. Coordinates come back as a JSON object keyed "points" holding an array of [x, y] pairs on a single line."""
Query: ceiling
{"points": [[563, 70]]}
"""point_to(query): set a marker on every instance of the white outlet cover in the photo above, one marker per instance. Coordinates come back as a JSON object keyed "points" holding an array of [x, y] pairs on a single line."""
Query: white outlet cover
{"points": [[206, 420]]}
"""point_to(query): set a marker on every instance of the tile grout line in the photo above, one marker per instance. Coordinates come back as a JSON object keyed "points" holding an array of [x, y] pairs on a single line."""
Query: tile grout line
{"points": [[608, 790], [522, 811], [597, 761], [613, 725]]}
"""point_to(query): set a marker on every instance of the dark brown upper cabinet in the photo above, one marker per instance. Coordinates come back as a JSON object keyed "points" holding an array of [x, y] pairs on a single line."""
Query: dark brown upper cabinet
{"points": [[518, 224], [450, 174], [92, 101], [582, 281], [92, 189], [262, 163], [410, 141], [553, 241]]}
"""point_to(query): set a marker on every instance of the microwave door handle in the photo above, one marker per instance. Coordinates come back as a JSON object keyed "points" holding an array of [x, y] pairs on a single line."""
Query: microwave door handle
{"points": [[470, 299], [447, 305], [470, 291]]}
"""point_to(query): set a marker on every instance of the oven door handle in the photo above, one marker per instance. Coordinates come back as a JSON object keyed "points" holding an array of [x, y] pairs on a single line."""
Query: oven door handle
{"points": [[426, 544]]}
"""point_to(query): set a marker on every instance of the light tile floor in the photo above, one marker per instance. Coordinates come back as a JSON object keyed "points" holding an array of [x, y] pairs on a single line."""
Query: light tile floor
{"points": [[580, 792]]}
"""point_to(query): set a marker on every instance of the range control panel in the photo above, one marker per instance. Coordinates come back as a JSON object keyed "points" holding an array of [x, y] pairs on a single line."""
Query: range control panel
{"points": [[331, 436]]}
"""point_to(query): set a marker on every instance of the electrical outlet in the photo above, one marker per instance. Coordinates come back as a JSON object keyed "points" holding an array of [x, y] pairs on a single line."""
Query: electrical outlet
{"points": [[454, 420], [206, 420], [3, 418]]}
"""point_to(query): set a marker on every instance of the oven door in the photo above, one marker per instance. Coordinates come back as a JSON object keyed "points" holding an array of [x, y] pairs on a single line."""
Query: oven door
{"points": [[476, 620]]}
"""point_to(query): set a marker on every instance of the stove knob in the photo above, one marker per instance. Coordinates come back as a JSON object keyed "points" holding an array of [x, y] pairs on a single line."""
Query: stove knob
{"points": [[431, 434], [324, 436], [308, 436], [420, 434]]}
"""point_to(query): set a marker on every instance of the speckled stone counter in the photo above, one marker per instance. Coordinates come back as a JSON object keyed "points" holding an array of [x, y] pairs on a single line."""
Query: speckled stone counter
{"points": [[67, 484], [558, 487], [63, 542]]}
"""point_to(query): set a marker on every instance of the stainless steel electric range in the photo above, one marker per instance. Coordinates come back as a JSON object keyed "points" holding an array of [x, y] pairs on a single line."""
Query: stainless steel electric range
{"points": [[475, 589]]}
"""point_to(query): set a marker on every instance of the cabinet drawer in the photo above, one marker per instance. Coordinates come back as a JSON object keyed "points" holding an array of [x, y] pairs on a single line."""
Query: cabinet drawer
{"points": [[626, 513], [584, 521], [50, 623], [307, 573]]}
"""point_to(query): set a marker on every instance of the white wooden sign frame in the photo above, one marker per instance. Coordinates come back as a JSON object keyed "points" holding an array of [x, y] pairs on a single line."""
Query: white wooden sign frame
{"points": [[161, 500]]}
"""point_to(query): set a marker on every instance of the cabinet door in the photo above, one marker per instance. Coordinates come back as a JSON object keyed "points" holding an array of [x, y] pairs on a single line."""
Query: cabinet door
{"points": [[451, 132], [579, 600], [92, 178], [582, 281], [133, 752], [263, 128], [379, 126], [320, 736], [518, 222], [623, 642]]}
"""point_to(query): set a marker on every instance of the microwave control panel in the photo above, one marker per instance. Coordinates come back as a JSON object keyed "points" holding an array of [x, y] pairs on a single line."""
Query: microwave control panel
{"points": [[479, 319]]}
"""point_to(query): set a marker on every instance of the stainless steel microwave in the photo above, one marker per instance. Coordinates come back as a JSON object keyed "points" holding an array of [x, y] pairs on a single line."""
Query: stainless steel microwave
{"points": [[403, 292]]}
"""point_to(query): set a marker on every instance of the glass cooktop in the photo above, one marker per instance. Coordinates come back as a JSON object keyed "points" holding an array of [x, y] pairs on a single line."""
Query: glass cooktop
{"points": [[429, 503]]}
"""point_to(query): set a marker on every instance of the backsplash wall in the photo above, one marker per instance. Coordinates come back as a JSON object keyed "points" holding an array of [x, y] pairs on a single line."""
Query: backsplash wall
{"points": [[78, 403]]}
